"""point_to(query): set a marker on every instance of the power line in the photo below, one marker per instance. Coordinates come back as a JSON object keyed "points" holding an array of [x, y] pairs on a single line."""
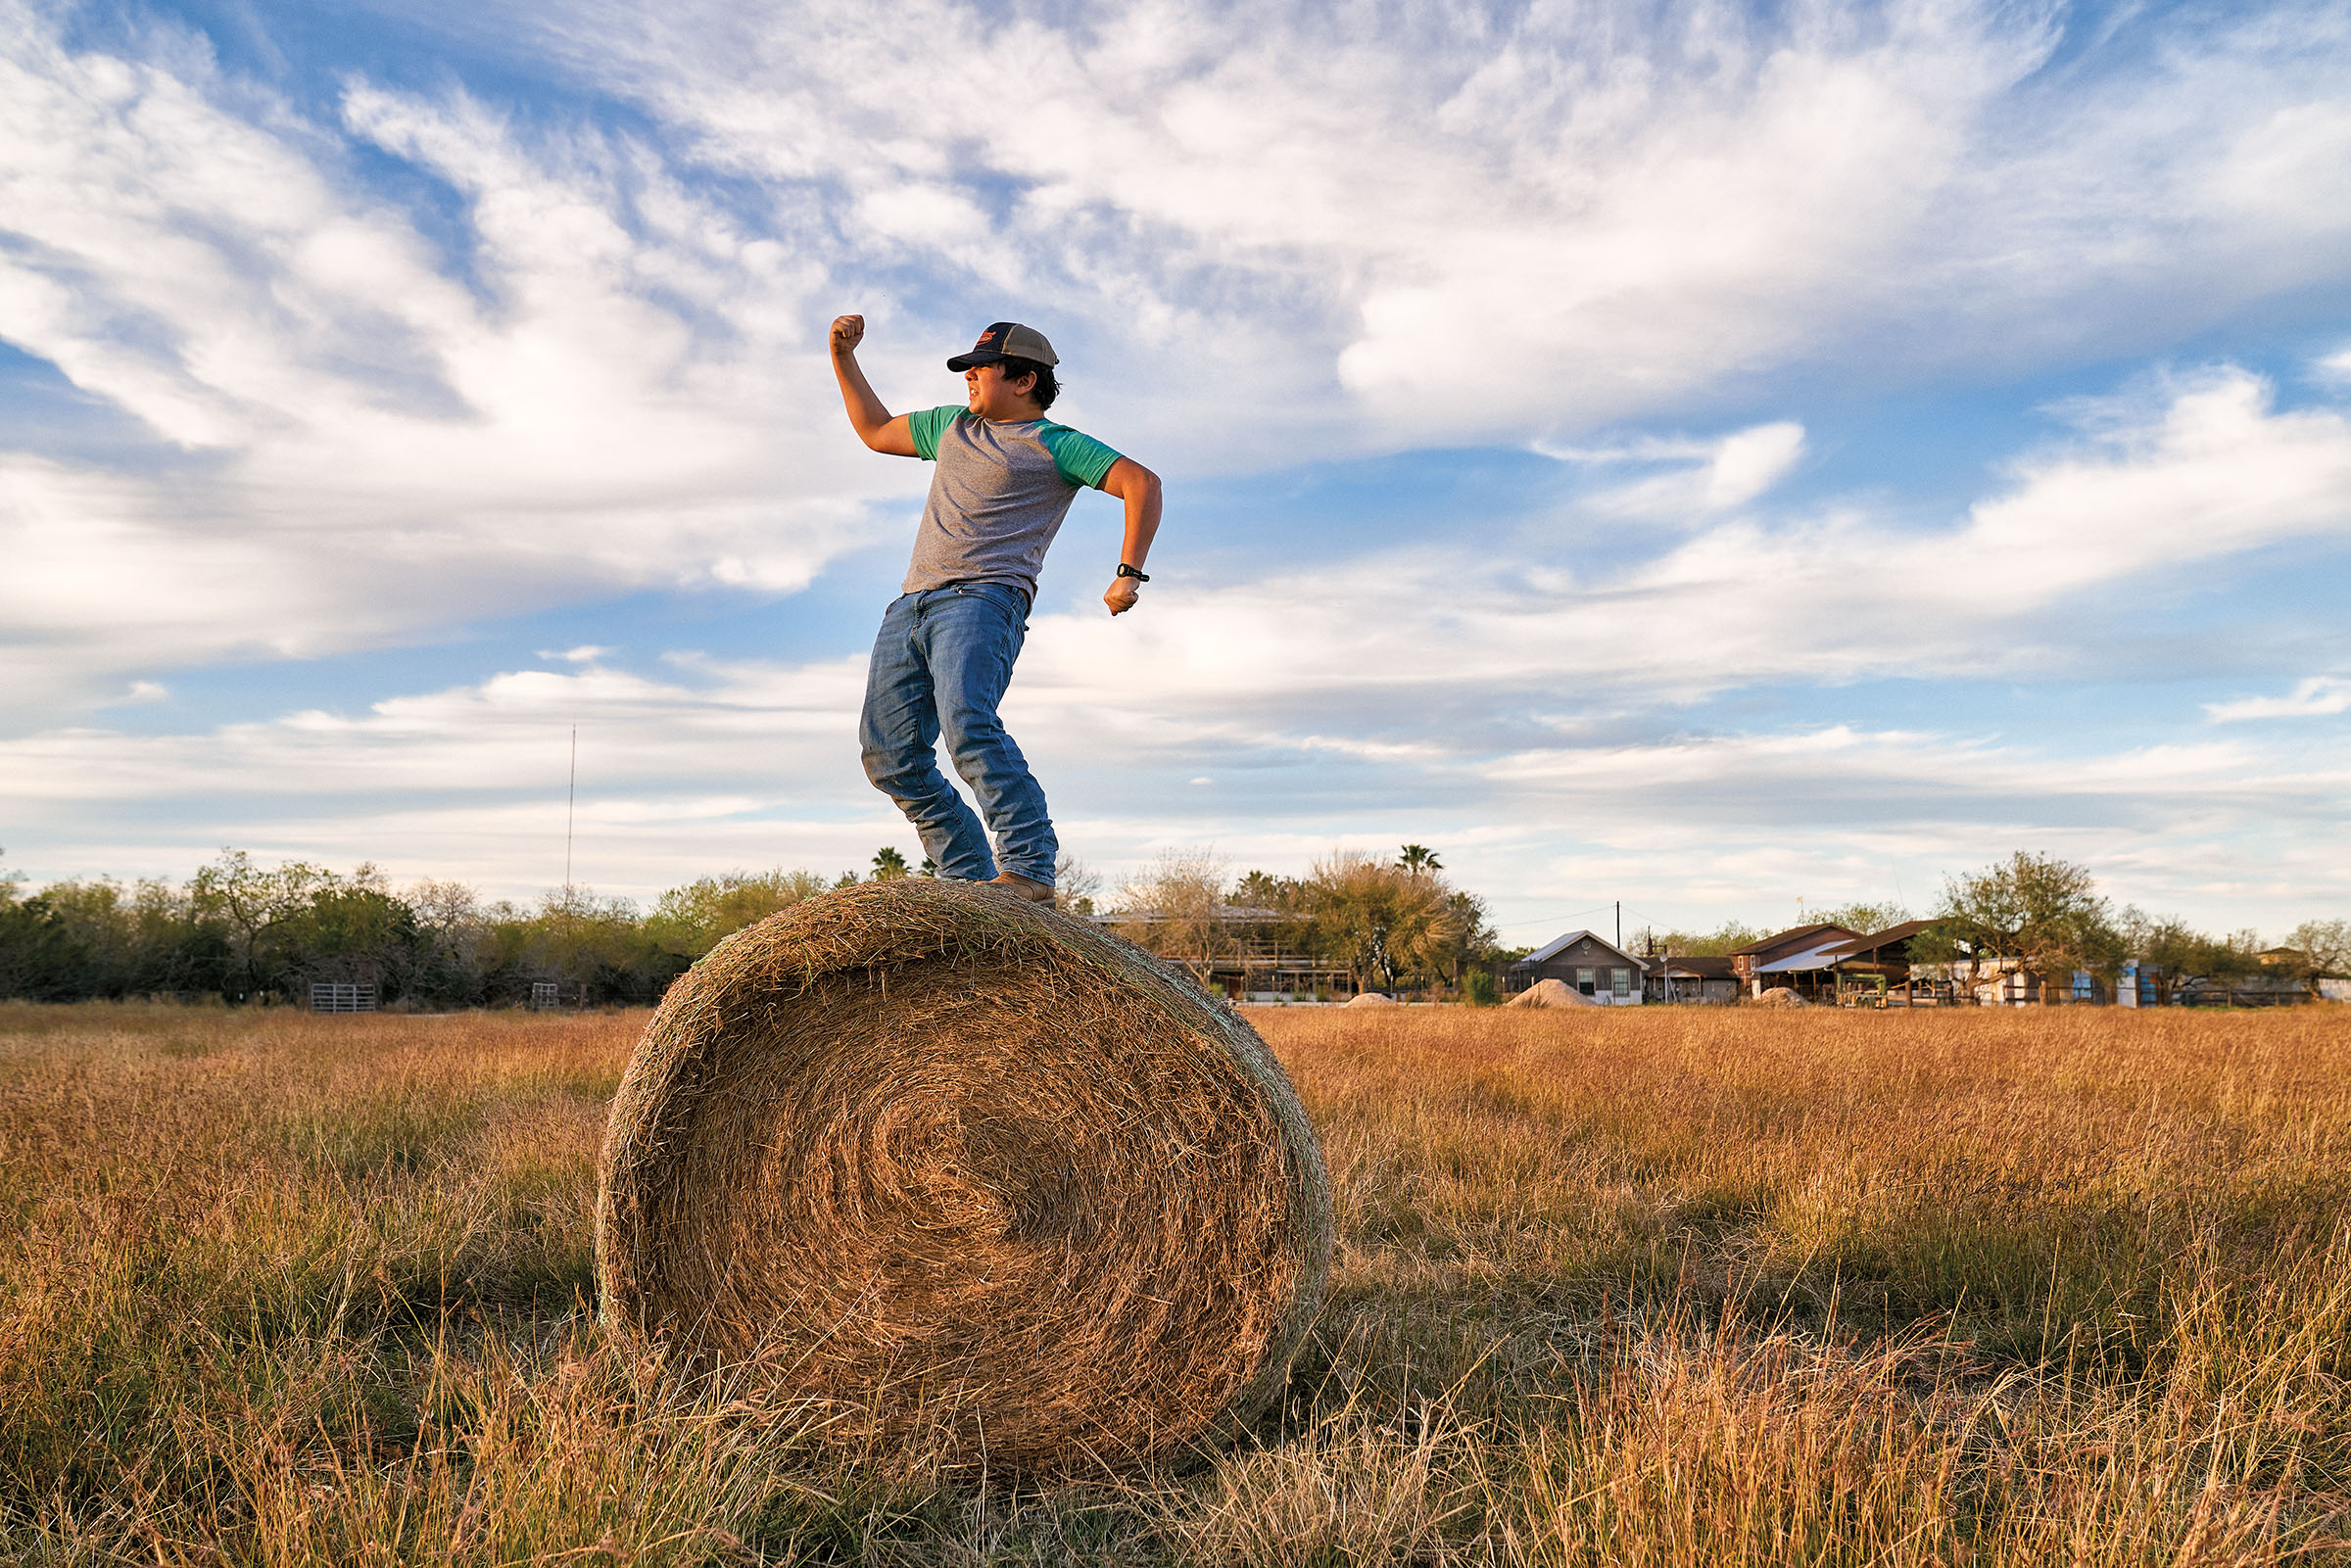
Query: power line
{"points": [[1519, 919]]}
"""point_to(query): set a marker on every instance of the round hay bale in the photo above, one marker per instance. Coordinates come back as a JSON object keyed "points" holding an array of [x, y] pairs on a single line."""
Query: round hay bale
{"points": [[1371, 999], [1781, 996], [967, 1174], [1551, 992]]}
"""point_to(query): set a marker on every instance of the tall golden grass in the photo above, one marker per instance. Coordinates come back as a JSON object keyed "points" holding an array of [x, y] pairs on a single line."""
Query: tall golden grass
{"points": [[1653, 1286]]}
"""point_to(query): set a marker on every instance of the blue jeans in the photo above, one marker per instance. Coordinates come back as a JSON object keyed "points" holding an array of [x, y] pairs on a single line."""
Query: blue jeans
{"points": [[941, 662]]}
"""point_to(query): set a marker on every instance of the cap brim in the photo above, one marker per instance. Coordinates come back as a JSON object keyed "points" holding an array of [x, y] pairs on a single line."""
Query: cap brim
{"points": [[964, 362]]}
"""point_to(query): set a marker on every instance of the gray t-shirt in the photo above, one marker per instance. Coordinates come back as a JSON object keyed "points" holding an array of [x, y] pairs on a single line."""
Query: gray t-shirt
{"points": [[1001, 488]]}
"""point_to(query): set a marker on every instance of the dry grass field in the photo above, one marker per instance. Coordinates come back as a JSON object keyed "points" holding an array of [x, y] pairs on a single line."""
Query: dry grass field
{"points": [[1658, 1286]]}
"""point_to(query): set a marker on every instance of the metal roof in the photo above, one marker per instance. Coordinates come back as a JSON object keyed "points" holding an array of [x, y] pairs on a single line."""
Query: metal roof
{"points": [[1885, 938], [1811, 958], [1821, 931]]}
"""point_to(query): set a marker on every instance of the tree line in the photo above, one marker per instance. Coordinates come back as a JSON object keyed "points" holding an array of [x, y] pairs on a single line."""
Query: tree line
{"points": [[245, 932], [242, 931], [2044, 915]]}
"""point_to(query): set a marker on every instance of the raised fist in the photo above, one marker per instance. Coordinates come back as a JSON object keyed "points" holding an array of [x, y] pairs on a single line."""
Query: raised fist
{"points": [[847, 332]]}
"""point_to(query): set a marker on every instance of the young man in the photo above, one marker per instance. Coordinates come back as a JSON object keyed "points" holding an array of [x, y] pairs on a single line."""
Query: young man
{"points": [[1004, 480]]}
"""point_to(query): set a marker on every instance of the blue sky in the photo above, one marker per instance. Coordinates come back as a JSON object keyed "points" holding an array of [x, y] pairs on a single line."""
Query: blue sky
{"points": [[1705, 455]]}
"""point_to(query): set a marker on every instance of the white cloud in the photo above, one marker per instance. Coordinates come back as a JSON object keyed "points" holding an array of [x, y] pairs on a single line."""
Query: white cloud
{"points": [[355, 446], [1361, 232], [1751, 462], [2212, 472], [1715, 476], [2318, 695], [1498, 222], [1837, 594], [747, 763]]}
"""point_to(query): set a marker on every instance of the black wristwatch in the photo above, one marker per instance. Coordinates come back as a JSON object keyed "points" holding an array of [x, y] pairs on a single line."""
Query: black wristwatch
{"points": [[1125, 570]]}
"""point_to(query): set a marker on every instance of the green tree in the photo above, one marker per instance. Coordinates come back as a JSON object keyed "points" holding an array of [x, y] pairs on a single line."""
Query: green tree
{"points": [[2038, 911], [356, 932], [1418, 858], [2323, 949], [1862, 917], [254, 906], [2170, 952], [455, 954], [1468, 940], [1383, 923], [2234, 959], [37, 952], [596, 948], [1263, 890], [82, 941], [889, 865], [694, 919]]}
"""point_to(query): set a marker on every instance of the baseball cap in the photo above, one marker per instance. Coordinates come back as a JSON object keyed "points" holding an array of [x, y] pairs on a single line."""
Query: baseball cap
{"points": [[1006, 340]]}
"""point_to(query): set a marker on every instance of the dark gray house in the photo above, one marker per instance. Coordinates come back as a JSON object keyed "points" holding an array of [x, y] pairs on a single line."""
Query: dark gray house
{"points": [[1582, 962]]}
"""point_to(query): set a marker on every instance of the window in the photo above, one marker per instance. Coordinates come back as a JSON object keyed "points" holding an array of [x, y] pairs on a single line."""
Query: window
{"points": [[1624, 982], [1583, 981]]}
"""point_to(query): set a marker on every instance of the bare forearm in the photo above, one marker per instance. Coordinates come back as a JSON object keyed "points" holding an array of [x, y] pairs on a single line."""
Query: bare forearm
{"points": [[1138, 488], [1142, 524], [866, 411]]}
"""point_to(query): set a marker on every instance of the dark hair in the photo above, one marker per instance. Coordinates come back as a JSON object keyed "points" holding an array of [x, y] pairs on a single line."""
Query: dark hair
{"points": [[1046, 389]]}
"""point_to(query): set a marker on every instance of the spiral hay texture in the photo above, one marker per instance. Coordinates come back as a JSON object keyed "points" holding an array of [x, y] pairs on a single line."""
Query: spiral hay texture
{"points": [[966, 1174]]}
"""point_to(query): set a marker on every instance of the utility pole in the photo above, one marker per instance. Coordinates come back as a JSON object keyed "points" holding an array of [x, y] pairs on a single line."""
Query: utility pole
{"points": [[1620, 925]]}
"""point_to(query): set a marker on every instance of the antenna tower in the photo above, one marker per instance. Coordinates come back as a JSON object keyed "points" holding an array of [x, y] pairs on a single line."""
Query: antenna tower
{"points": [[571, 800]]}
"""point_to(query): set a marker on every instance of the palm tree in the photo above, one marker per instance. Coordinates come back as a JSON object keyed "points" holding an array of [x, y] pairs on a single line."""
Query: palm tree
{"points": [[889, 865], [1418, 858]]}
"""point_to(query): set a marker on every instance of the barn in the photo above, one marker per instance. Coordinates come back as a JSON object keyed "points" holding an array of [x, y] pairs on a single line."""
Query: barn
{"points": [[1798, 959]]}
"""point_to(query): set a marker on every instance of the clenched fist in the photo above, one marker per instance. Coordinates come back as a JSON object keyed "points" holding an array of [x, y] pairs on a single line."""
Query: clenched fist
{"points": [[847, 332], [1122, 596]]}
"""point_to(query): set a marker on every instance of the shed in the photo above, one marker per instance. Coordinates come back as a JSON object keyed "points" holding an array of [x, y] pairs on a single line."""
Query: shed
{"points": [[1796, 958], [1877, 967], [1685, 979]]}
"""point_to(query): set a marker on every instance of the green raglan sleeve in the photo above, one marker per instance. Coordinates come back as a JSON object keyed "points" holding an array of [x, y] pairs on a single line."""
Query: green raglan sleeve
{"points": [[928, 427], [1079, 458]]}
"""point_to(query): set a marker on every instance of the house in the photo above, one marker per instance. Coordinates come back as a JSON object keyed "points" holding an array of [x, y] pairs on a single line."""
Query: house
{"points": [[1796, 958], [1592, 964], [1692, 980]]}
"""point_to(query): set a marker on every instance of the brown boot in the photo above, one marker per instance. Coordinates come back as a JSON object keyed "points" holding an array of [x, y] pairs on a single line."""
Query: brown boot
{"points": [[1019, 887]]}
